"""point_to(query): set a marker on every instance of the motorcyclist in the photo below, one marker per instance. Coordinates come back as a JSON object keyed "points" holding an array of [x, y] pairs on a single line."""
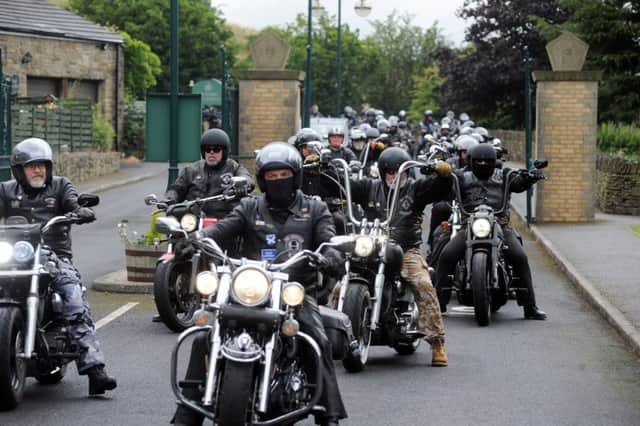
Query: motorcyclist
{"points": [[402, 116], [371, 117], [350, 115], [336, 140], [383, 126], [427, 125], [38, 196], [463, 144], [358, 143], [405, 226], [210, 176], [284, 219], [444, 131], [481, 184]]}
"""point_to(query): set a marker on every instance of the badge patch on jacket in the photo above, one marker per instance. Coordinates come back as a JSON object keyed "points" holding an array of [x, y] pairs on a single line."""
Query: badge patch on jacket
{"points": [[268, 254], [294, 243], [270, 239]]}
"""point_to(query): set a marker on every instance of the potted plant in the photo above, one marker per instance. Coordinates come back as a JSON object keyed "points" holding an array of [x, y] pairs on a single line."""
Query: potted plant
{"points": [[142, 251]]}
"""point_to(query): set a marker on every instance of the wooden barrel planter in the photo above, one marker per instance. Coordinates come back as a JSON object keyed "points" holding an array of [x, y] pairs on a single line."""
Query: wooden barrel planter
{"points": [[141, 262]]}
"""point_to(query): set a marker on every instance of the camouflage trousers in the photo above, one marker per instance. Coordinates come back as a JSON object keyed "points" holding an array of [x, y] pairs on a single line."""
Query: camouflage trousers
{"points": [[416, 272], [76, 311]]}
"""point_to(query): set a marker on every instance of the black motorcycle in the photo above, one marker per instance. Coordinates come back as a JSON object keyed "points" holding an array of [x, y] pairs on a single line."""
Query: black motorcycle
{"points": [[34, 341], [262, 370], [485, 279], [174, 290]]}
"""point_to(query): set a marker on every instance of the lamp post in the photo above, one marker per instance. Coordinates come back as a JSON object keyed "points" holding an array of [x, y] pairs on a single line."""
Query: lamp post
{"points": [[362, 9], [306, 117], [173, 98]]}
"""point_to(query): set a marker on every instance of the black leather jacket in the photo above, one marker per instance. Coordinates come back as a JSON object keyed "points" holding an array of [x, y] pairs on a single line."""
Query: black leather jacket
{"points": [[474, 191], [267, 233], [406, 224], [199, 180], [38, 206], [345, 153]]}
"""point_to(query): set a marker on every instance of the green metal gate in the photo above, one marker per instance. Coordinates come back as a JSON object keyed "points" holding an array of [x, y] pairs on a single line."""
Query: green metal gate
{"points": [[5, 124]]}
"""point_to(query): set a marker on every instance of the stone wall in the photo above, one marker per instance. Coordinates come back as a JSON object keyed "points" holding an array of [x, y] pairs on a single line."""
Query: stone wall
{"points": [[618, 184], [82, 166], [69, 59]]}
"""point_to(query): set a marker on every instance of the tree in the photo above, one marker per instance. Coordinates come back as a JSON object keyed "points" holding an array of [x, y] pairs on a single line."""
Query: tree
{"points": [[142, 67], [612, 30], [486, 79], [424, 93], [202, 31]]}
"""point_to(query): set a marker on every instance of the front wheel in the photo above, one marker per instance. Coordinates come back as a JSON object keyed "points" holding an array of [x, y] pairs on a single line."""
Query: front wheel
{"points": [[171, 293], [12, 368], [235, 401], [357, 306], [479, 284]]}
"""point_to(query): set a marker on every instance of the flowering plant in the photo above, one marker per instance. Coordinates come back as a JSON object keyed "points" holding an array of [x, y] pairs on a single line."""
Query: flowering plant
{"points": [[131, 238]]}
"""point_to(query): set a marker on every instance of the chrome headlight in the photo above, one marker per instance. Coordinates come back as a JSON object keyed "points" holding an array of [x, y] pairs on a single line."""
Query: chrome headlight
{"points": [[207, 283], [481, 228], [23, 251], [293, 294], [189, 222], [6, 251], [364, 246], [250, 286]]}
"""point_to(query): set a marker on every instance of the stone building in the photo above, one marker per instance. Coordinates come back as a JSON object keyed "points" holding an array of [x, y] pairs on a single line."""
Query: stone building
{"points": [[48, 50]]}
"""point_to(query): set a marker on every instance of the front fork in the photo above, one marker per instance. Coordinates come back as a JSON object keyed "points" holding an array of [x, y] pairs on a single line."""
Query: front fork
{"points": [[32, 308], [377, 303], [344, 284]]}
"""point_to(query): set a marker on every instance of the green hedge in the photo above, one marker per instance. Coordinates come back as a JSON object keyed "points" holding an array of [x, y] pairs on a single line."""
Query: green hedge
{"points": [[620, 139]]}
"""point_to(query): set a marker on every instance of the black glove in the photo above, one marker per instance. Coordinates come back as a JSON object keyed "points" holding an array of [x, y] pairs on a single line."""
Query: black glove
{"points": [[331, 263], [85, 214], [428, 169], [183, 249]]}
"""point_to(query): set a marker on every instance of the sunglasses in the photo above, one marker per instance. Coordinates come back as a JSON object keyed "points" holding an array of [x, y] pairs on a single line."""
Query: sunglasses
{"points": [[215, 149]]}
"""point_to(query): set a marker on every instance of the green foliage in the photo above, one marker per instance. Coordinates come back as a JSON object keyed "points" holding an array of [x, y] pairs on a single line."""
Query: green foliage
{"points": [[620, 139], [636, 228], [150, 238], [102, 130], [424, 93], [202, 30], [134, 130], [141, 69]]}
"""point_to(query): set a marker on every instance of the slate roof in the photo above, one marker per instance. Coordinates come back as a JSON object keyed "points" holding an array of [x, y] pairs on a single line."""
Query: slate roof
{"points": [[42, 17]]}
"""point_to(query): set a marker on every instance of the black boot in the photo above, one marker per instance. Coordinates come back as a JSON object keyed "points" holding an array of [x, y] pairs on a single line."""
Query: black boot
{"points": [[532, 312], [99, 381], [330, 421]]}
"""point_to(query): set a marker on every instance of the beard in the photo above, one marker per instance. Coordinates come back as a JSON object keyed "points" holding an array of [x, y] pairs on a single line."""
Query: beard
{"points": [[213, 162], [36, 182]]}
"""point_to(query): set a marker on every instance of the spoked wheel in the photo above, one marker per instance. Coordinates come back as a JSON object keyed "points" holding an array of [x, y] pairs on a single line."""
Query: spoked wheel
{"points": [[357, 306], [174, 302], [479, 284], [12, 368]]}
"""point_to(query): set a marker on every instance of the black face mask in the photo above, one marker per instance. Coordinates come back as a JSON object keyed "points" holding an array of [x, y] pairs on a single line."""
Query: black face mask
{"points": [[484, 171], [280, 192]]}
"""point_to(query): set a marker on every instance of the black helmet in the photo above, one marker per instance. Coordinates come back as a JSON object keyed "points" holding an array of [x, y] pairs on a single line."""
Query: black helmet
{"points": [[278, 155], [306, 135], [372, 133], [391, 159], [216, 137], [31, 150], [483, 152]]}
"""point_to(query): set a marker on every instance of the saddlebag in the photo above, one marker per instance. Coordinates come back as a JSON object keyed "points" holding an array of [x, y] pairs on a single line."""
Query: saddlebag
{"points": [[337, 325]]}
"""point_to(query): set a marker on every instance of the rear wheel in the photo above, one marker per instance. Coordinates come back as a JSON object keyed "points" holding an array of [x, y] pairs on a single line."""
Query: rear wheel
{"points": [[12, 369], [479, 284], [357, 306], [171, 293], [236, 392]]}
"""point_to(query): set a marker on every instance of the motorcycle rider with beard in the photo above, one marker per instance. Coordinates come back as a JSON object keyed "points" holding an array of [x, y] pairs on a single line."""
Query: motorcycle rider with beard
{"points": [[406, 230], [38, 196], [336, 139], [358, 143], [208, 177], [482, 183], [284, 219]]}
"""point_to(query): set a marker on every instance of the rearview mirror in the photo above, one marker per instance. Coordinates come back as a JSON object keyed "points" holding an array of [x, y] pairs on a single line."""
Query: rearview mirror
{"points": [[540, 164], [88, 200], [151, 199], [167, 225]]}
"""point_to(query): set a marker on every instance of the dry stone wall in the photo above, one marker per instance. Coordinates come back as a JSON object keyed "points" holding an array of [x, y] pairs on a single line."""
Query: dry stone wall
{"points": [[618, 185], [82, 166]]}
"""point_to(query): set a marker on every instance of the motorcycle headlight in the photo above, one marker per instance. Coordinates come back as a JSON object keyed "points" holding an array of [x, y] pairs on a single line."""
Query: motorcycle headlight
{"points": [[250, 286], [207, 282], [23, 251], [364, 246], [6, 251], [189, 222], [481, 228], [293, 294]]}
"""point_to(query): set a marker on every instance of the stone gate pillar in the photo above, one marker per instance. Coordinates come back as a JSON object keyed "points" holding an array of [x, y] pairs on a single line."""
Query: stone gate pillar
{"points": [[566, 132], [269, 96]]}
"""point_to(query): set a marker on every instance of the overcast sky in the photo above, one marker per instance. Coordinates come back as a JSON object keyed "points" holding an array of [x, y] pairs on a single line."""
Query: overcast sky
{"points": [[260, 13]]}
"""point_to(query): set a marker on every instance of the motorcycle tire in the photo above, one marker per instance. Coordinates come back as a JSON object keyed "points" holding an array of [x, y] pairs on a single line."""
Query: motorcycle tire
{"points": [[236, 394], [12, 369], [357, 306], [479, 282], [52, 378], [166, 297], [407, 348]]}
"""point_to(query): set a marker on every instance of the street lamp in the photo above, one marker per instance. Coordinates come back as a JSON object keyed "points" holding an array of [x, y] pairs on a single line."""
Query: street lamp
{"points": [[362, 9], [306, 116]]}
